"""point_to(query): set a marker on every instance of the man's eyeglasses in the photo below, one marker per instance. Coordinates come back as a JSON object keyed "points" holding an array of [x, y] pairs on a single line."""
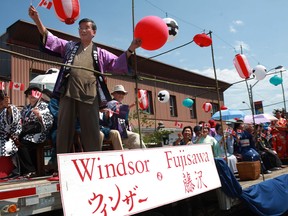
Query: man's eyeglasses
{"points": [[84, 29]]}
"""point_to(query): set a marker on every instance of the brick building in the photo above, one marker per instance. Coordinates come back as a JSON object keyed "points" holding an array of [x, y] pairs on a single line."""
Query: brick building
{"points": [[20, 62]]}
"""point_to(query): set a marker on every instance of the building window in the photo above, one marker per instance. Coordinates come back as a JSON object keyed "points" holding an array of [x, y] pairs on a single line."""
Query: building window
{"points": [[173, 106], [193, 110], [215, 108], [150, 109]]}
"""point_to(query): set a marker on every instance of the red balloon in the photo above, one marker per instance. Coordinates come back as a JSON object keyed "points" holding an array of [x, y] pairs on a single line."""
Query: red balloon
{"points": [[67, 10], [223, 107], [202, 40], [207, 107], [152, 30], [242, 66]]}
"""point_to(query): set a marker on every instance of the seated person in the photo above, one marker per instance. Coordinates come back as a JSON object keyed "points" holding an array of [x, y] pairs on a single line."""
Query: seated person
{"points": [[246, 144], [227, 154], [36, 123], [185, 137], [279, 132], [107, 133], [268, 154], [130, 139], [10, 128]]}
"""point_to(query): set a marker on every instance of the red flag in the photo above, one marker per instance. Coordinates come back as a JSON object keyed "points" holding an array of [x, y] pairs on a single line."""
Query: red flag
{"points": [[16, 86], [36, 94], [239, 131], [230, 131], [117, 108], [178, 124], [2, 85], [45, 3]]}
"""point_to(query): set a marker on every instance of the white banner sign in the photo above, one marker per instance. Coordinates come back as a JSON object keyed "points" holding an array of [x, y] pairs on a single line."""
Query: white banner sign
{"points": [[132, 181]]}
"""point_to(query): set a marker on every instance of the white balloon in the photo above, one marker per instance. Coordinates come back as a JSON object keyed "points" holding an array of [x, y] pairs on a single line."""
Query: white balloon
{"points": [[163, 96], [260, 72], [172, 28]]}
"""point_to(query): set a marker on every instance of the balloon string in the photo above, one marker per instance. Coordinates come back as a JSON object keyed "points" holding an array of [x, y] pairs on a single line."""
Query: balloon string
{"points": [[168, 51], [171, 49]]}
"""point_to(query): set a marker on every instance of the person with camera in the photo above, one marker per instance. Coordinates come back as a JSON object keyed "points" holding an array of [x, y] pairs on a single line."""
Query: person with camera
{"points": [[36, 123]]}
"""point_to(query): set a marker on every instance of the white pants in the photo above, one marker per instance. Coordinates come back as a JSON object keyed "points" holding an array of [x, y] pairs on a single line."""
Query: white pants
{"points": [[231, 162], [133, 141]]}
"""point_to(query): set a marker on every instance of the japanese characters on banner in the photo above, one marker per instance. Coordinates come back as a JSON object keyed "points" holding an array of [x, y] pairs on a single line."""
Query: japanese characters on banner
{"points": [[129, 182]]}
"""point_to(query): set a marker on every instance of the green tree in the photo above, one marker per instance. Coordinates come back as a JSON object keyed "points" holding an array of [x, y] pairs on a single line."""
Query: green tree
{"points": [[154, 137], [157, 136]]}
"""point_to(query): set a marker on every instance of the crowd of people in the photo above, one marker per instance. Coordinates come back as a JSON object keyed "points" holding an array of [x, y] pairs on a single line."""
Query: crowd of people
{"points": [[21, 131], [242, 142]]}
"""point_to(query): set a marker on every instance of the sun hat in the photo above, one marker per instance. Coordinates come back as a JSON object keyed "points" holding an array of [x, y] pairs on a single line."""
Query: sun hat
{"points": [[30, 88], [119, 88], [212, 123]]}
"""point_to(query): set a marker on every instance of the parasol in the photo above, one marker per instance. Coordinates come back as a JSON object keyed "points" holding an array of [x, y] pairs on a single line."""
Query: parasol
{"points": [[228, 115], [260, 118]]}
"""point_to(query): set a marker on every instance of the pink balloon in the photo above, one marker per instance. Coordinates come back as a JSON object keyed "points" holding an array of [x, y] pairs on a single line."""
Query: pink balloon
{"points": [[207, 107], [242, 66], [67, 10], [152, 30]]}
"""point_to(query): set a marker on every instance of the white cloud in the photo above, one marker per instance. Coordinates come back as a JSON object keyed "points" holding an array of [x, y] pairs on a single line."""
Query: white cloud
{"points": [[238, 22], [225, 75], [232, 29], [242, 44], [271, 96]]}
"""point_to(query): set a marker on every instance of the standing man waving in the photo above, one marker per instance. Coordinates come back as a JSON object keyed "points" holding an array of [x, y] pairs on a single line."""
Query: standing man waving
{"points": [[78, 88]]}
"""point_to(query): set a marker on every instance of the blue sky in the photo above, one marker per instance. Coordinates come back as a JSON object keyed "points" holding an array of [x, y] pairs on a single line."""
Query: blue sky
{"points": [[259, 26]]}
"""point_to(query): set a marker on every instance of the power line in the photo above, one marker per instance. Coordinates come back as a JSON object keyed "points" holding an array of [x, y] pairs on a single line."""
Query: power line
{"points": [[106, 74], [264, 106], [178, 18], [196, 26]]}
